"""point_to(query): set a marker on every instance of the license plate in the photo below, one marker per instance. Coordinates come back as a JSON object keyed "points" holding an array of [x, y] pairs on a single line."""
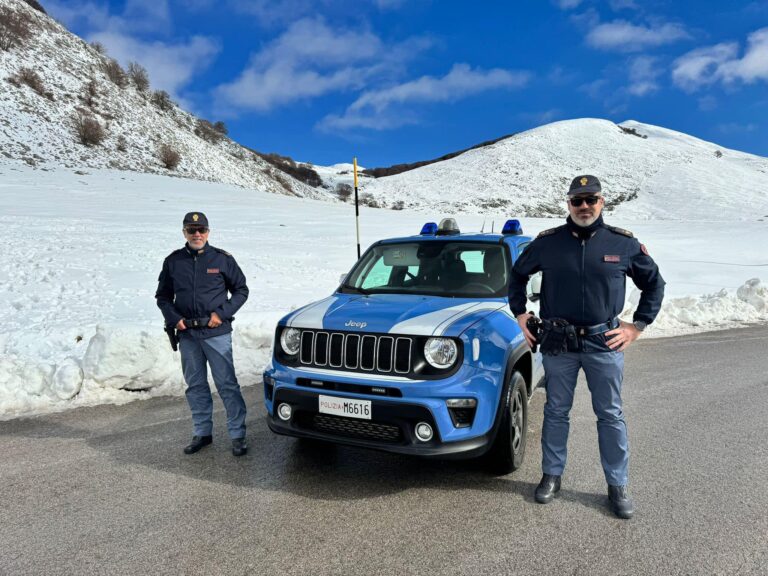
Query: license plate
{"points": [[345, 407]]}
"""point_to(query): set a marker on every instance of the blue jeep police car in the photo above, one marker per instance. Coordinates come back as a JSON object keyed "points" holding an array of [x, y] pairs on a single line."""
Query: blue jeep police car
{"points": [[416, 352]]}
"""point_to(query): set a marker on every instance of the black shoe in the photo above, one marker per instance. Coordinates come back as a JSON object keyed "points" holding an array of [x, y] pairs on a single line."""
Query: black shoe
{"points": [[239, 447], [198, 443], [621, 503], [547, 488]]}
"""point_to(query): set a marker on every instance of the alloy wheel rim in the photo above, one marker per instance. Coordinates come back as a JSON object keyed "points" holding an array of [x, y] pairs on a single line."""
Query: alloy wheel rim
{"points": [[516, 423]]}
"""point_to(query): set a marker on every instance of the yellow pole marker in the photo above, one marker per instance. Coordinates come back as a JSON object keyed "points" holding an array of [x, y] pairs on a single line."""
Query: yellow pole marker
{"points": [[357, 209]]}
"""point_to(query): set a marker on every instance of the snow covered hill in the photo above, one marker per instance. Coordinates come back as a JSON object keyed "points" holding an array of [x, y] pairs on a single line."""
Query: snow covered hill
{"points": [[647, 172], [39, 128]]}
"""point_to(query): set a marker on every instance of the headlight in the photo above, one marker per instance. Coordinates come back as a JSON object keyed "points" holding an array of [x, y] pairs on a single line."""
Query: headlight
{"points": [[290, 341], [440, 352]]}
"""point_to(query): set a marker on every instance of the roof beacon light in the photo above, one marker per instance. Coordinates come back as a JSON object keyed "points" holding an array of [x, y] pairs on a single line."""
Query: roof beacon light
{"points": [[448, 227], [512, 227], [429, 229]]}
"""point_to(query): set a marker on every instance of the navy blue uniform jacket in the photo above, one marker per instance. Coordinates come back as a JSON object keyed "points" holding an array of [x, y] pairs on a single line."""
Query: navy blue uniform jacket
{"points": [[584, 281], [194, 283]]}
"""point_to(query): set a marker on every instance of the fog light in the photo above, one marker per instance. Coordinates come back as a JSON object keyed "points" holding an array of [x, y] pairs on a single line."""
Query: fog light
{"points": [[284, 411], [461, 402], [424, 432]]}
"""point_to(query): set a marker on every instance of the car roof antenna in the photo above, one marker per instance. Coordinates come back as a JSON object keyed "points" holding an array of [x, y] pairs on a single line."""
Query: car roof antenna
{"points": [[482, 228], [492, 223]]}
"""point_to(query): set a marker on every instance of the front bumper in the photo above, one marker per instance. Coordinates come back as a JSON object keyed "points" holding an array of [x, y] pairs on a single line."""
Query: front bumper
{"points": [[395, 413]]}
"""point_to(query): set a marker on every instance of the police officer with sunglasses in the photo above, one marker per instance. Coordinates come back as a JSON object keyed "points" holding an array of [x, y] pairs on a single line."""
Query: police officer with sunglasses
{"points": [[192, 293], [584, 266]]}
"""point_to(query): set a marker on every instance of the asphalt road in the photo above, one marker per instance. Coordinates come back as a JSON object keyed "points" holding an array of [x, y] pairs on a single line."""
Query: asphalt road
{"points": [[107, 490]]}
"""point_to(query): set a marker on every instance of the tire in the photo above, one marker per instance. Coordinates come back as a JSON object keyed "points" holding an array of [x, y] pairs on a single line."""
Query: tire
{"points": [[508, 449]]}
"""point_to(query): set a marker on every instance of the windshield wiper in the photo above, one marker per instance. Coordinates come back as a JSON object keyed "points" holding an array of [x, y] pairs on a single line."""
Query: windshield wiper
{"points": [[353, 289]]}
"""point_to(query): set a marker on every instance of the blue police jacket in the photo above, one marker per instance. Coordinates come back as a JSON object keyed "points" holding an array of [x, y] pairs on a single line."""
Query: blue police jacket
{"points": [[194, 283], [584, 279]]}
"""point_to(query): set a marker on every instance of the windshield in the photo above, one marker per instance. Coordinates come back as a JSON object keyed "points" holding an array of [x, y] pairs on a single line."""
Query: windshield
{"points": [[450, 268]]}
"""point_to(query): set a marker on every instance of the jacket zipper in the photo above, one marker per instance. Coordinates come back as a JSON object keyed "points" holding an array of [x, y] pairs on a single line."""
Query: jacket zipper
{"points": [[194, 286], [583, 294]]}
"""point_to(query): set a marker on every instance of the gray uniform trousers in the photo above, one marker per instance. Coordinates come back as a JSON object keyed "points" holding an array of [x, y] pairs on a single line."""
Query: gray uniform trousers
{"points": [[604, 372]]}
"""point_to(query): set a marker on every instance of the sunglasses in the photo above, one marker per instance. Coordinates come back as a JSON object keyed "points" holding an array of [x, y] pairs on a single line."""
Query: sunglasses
{"points": [[192, 230], [590, 200]]}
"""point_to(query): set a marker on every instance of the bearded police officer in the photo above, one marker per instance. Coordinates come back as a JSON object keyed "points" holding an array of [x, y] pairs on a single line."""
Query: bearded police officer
{"points": [[192, 294], [584, 266]]}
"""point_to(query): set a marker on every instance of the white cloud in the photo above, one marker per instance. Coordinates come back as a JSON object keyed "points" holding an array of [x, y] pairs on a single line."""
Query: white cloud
{"points": [[753, 66], [170, 66], [624, 36], [720, 63], [643, 72], [736, 128], [381, 109], [275, 12], [617, 5], [699, 67], [568, 4], [545, 117], [311, 59], [137, 15], [90, 14]]}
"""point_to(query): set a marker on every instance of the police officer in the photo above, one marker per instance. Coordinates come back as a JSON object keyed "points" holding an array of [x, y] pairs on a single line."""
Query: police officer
{"points": [[584, 266], [192, 294]]}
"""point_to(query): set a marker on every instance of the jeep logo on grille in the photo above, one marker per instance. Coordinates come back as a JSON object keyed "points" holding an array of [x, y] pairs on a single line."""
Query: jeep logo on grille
{"points": [[353, 324]]}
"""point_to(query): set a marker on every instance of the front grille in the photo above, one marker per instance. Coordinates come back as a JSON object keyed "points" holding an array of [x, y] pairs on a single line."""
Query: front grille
{"points": [[364, 352], [355, 428]]}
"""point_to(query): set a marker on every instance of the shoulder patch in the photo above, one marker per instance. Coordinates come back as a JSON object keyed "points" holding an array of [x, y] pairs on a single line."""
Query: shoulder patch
{"points": [[222, 251], [548, 232], [621, 231]]}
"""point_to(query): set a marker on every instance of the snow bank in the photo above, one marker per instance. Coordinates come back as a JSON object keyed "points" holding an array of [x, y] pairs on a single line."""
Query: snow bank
{"points": [[709, 311]]}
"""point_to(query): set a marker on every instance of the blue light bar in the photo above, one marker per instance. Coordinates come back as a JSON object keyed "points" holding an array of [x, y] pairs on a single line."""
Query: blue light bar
{"points": [[429, 229], [512, 227]]}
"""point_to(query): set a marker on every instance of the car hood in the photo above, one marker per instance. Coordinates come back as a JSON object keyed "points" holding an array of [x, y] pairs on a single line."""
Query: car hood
{"points": [[394, 314]]}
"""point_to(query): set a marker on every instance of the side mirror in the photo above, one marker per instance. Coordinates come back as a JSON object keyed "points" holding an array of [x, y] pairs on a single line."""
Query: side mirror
{"points": [[534, 287], [342, 278]]}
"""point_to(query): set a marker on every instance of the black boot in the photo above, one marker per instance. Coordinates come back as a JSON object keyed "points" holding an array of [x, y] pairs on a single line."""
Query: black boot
{"points": [[547, 488], [239, 447], [198, 443], [621, 503]]}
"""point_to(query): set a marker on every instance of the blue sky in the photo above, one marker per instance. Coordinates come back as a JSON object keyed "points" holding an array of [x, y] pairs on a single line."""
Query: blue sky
{"points": [[394, 81]]}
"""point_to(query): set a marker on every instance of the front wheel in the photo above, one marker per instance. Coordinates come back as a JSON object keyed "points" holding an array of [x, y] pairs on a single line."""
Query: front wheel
{"points": [[508, 450]]}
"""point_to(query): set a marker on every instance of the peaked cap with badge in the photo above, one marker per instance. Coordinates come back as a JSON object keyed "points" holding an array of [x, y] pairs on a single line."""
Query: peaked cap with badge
{"points": [[585, 184], [195, 219]]}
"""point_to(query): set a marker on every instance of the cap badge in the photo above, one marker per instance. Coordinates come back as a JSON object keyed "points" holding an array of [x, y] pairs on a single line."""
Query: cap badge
{"points": [[195, 217], [584, 181]]}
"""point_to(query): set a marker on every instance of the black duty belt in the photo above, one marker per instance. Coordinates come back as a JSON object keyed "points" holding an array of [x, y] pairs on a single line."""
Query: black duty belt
{"points": [[197, 322], [597, 328]]}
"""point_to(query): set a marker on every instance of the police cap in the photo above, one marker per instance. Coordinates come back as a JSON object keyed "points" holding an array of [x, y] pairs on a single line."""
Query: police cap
{"points": [[585, 184], [195, 219]]}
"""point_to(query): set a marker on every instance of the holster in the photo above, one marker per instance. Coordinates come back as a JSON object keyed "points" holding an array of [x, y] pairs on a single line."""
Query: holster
{"points": [[534, 327], [555, 335], [173, 337]]}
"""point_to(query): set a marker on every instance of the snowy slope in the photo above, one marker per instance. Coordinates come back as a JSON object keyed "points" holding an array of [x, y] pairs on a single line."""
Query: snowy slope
{"points": [[40, 131], [79, 272], [342, 173], [664, 175]]}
